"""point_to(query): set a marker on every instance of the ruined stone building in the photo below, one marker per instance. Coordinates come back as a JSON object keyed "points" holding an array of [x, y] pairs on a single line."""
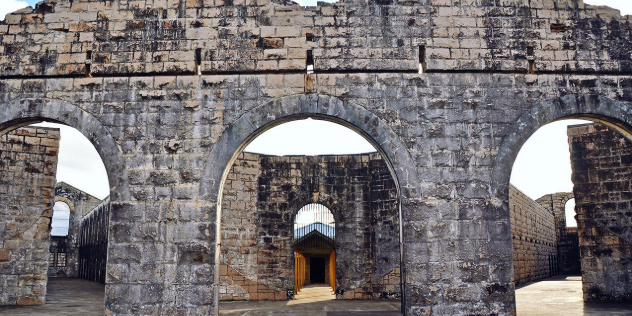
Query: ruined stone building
{"points": [[64, 250], [28, 161], [171, 92], [262, 196]]}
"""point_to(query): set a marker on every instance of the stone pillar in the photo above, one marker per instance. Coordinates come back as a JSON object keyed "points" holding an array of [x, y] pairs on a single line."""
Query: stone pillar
{"points": [[28, 163], [602, 173]]}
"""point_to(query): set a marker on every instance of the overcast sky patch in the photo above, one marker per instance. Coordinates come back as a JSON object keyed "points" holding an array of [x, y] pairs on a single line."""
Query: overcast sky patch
{"points": [[309, 137], [79, 164]]}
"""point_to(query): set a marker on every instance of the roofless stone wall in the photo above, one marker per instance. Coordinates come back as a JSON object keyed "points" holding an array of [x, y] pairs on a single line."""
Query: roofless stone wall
{"points": [[533, 234], [602, 173], [28, 162], [261, 198], [125, 74], [82, 37], [80, 204], [567, 241]]}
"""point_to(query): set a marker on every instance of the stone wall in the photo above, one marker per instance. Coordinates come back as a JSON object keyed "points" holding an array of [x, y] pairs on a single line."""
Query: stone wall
{"points": [[268, 35], [80, 204], [28, 162], [602, 171], [566, 240], [93, 244], [262, 195], [533, 238], [124, 73]]}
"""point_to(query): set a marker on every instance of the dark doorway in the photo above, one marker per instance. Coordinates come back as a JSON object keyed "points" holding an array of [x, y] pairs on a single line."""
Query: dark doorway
{"points": [[317, 270]]}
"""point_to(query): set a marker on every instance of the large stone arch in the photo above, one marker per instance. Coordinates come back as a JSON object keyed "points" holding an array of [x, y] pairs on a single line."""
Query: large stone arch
{"points": [[28, 111], [252, 124], [613, 113]]}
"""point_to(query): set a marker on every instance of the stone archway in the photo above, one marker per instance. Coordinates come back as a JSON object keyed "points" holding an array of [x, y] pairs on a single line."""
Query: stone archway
{"points": [[65, 200], [615, 114], [252, 124], [21, 113], [24, 112]]}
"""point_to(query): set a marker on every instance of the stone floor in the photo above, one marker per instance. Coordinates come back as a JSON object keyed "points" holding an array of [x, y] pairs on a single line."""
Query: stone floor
{"points": [[558, 295], [312, 300], [562, 295], [65, 296], [315, 293]]}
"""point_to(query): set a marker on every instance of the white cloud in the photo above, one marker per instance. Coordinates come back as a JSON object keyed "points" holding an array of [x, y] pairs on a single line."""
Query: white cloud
{"points": [[9, 6]]}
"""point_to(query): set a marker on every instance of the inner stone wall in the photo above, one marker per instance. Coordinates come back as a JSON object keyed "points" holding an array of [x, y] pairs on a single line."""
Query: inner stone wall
{"points": [[93, 245], [567, 242], [601, 160], [261, 198], [533, 238], [80, 204], [28, 163]]}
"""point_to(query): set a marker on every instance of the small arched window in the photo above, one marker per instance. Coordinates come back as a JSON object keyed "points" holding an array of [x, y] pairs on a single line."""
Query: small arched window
{"points": [[61, 219], [569, 209]]}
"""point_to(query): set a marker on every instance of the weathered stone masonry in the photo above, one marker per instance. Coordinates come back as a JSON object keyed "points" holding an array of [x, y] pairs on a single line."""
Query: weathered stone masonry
{"points": [[262, 195], [566, 237], [602, 161], [533, 237], [80, 204], [28, 162], [450, 135]]}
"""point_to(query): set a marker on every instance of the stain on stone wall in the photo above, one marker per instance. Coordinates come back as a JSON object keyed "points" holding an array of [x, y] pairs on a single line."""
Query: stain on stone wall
{"points": [[262, 195], [601, 160], [28, 162]]}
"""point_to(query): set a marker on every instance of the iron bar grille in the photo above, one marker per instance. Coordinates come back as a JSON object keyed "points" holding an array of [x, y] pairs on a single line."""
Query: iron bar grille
{"points": [[314, 229]]}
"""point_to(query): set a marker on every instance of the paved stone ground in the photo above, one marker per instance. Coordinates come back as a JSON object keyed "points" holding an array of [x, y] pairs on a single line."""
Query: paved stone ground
{"points": [[311, 308], [562, 295], [554, 296], [65, 296]]}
